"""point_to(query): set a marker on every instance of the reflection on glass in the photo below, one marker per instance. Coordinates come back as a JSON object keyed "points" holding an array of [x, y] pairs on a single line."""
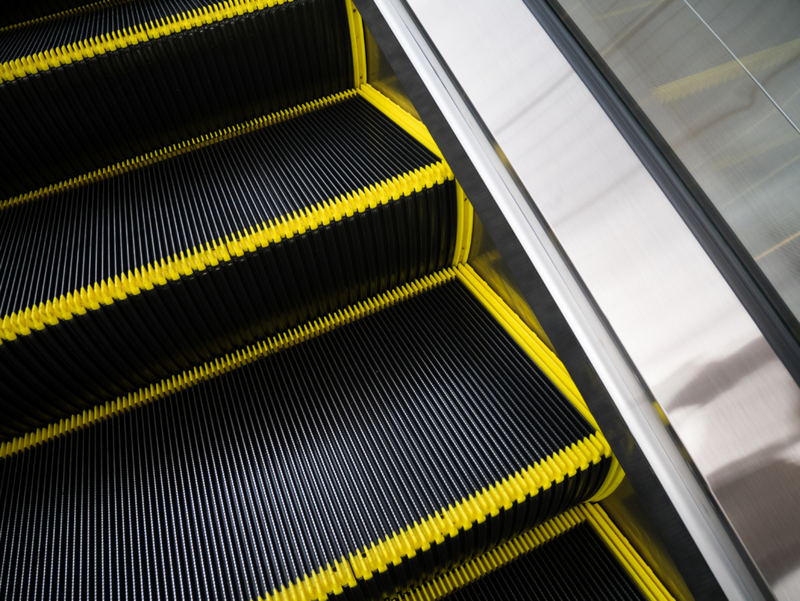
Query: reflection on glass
{"points": [[720, 80]]}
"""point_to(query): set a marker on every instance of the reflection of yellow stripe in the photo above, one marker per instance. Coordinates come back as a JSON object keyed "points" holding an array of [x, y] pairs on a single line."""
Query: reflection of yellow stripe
{"points": [[418, 537], [487, 563], [777, 246], [66, 13], [111, 41], [715, 76], [626, 10]]}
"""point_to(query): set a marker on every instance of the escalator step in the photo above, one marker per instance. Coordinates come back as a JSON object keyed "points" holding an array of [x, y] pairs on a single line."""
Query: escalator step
{"points": [[72, 109], [359, 456], [578, 555], [122, 281]]}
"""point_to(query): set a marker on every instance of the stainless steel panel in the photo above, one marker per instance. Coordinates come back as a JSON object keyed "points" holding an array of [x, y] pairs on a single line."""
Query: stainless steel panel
{"points": [[723, 390], [686, 519]]}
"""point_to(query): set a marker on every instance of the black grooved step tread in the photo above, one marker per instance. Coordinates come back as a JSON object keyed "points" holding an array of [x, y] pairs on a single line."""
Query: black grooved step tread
{"points": [[246, 482], [76, 118], [574, 566], [77, 237], [150, 212]]}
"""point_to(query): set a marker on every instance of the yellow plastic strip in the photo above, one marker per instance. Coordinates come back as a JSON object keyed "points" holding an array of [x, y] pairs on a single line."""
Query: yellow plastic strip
{"points": [[487, 563], [65, 13], [118, 287], [496, 558], [459, 245], [626, 555], [111, 41], [469, 214], [413, 126], [547, 362], [357, 42], [177, 149]]}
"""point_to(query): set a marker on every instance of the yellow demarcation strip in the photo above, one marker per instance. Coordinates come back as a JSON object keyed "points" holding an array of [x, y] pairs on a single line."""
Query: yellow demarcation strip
{"points": [[65, 13], [358, 44], [236, 244], [418, 537], [537, 537], [111, 41], [544, 358], [763, 60]]}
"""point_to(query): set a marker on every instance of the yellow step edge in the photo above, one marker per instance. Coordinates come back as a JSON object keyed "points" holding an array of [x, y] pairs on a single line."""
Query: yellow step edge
{"points": [[402, 118], [236, 244], [65, 13], [111, 41], [592, 514], [222, 364], [492, 560], [177, 149], [545, 359]]}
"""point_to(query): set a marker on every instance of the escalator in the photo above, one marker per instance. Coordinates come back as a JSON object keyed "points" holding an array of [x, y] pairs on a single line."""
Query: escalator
{"points": [[244, 354]]}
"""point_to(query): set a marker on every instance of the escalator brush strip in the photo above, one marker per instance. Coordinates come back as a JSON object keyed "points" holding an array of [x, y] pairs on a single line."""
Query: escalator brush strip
{"points": [[577, 555], [336, 205], [71, 111], [362, 461]]}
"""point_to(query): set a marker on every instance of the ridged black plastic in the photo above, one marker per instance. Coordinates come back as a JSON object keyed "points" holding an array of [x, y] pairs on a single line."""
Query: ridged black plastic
{"points": [[253, 479], [95, 357], [80, 117], [574, 566]]}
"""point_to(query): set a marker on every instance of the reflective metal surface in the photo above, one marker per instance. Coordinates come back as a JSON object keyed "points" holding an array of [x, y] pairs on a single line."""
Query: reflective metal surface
{"points": [[729, 399], [695, 537], [688, 342], [721, 82]]}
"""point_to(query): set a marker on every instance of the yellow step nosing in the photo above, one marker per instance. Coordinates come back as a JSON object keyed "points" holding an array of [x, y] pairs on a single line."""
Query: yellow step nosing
{"points": [[49, 312], [402, 118], [625, 554], [110, 41], [229, 361], [539, 536]]}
